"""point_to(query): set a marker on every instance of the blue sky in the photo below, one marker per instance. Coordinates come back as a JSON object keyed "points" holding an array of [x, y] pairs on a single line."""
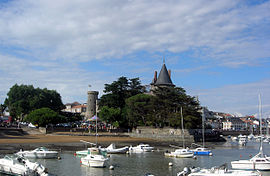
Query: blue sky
{"points": [[218, 50]]}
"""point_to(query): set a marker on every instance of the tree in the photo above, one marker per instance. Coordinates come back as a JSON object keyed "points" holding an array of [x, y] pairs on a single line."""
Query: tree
{"points": [[44, 116], [115, 96], [138, 109], [110, 115], [25, 98]]}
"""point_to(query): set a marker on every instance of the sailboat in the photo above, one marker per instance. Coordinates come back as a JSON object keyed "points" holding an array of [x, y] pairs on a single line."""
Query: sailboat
{"points": [[202, 150], [181, 152], [259, 161], [95, 157]]}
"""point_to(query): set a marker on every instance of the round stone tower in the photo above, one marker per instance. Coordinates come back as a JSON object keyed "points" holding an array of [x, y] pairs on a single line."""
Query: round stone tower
{"points": [[91, 103]]}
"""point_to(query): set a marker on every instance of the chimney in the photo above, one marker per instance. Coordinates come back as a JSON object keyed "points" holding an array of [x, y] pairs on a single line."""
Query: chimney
{"points": [[155, 76], [169, 71]]}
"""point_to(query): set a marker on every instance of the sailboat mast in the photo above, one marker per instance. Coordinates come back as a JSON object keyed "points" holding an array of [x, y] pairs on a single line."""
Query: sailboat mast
{"points": [[203, 116], [96, 122], [260, 115], [182, 122]]}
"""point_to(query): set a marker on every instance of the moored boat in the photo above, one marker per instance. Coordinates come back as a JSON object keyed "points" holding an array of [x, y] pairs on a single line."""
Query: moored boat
{"points": [[141, 148], [40, 152], [111, 149], [216, 171], [180, 153], [16, 165], [94, 158]]}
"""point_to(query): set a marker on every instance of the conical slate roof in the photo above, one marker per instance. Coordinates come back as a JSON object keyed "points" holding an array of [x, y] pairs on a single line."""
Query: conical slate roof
{"points": [[164, 78]]}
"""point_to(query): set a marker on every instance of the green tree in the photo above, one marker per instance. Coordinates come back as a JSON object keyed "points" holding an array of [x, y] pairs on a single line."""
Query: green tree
{"points": [[44, 116], [138, 109], [23, 99], [110, 115], [115, 95]]}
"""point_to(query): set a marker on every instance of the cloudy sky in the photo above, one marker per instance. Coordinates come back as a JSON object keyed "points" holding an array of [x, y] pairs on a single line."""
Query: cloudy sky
{"points": [[218, 50]]}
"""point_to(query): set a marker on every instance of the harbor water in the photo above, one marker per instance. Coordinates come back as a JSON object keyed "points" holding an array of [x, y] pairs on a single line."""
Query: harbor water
{"points": [[153, 162]]}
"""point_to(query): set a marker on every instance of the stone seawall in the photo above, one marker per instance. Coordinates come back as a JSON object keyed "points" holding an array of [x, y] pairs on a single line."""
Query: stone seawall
{"points": [[163, 134], [175, 135]]}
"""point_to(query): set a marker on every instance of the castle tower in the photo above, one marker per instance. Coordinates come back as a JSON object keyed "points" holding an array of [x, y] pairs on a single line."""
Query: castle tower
{"points": [[163, 79], [91, 103]]}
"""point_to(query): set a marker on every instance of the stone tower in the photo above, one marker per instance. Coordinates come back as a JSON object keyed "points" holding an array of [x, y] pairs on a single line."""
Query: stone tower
{"points": [[91, 103]]}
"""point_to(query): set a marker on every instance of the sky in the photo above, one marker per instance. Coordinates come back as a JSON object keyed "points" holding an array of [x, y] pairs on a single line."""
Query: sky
{"points": [[217, 50]]}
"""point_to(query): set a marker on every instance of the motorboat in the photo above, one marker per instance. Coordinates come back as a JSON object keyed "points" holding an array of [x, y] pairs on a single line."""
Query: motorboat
{"points": [[180, 153], [40, 152], [17, 165], [94, 158], [216, 171], [242, 140], [111, 149], [141, 148], [202, 151]]}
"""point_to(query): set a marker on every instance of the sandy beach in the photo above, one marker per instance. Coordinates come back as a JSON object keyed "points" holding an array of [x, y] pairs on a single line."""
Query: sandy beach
{"points": [[66, 142]]}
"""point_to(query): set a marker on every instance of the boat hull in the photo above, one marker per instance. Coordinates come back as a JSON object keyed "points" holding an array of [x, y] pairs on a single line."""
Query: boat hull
{"points": [[248, 165], [202, 153], [93, 163], [39, 155]]}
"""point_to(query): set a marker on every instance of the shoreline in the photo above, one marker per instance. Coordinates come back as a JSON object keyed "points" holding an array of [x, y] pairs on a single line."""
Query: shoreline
{"points": [[11, 144]]}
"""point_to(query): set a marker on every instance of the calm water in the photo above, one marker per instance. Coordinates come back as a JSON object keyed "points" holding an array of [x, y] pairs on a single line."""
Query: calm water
{"points": [[154, 162]]}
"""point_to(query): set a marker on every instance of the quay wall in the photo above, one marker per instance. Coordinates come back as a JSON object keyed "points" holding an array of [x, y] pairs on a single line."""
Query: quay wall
{"points": [[175, 135]]}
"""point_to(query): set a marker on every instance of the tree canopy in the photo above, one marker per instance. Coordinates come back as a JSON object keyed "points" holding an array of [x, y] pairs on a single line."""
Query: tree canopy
{"points": [[44, 116], [113, 101], [23, 99]]}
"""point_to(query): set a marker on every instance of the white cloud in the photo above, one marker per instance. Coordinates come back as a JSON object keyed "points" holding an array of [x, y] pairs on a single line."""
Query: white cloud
{"points": [[96, 29], [237, 99]]}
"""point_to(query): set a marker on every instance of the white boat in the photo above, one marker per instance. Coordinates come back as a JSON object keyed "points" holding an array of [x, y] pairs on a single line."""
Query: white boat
{"points": [[141, 148], [180, 153], [94, 158], [111, 149], [16, 165], [41, 152], [216, 171], [258, 162], [242, 139]]}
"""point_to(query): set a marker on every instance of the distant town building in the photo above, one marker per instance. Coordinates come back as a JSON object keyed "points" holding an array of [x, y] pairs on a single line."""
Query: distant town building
{"points": [[233, 123], [75, 107]]}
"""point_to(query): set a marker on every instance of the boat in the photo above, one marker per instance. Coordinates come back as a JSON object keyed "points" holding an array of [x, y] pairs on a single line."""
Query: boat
{"points": [[242, 140], [201, 150], [111, 149], [216, 171], [94, 158], [180, 152], [17, 165], [141, 148], [259, 161], [40, 152]]}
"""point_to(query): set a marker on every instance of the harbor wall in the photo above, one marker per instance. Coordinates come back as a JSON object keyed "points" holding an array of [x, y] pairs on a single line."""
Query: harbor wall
{"points": [[176, 135]]}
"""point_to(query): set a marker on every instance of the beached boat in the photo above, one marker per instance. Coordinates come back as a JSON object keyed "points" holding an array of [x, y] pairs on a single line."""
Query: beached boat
{"points": [[16, 165], [94, 158], [41, 152], [141, 148], [111, 149], [216, 171]]}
